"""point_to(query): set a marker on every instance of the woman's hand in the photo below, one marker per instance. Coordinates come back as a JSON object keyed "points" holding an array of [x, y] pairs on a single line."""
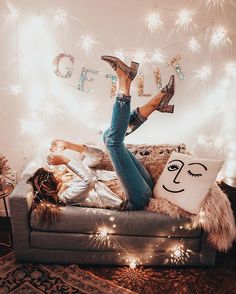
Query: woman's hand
{"points": [[59, 145], [56, 159]]}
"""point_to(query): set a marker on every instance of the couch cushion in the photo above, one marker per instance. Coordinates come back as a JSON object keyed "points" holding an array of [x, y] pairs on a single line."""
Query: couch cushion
{"points": [[137, 223], [115, 243], [186, 180], [153, 157]]}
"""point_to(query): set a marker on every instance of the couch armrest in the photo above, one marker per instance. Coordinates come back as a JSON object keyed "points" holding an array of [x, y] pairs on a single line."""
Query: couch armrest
{"points": [[19, 204]]}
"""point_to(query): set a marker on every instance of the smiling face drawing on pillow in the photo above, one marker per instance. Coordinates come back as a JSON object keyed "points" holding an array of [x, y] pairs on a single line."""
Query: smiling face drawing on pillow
{"points": [[186, 180]]}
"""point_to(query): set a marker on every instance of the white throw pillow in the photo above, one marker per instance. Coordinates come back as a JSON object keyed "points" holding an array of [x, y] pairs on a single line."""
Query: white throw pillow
{"points": [[186, 180]]}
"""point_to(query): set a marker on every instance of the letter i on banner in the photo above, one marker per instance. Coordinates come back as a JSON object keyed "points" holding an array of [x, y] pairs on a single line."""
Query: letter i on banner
{"points": [[113, 84], [157, 75], [141, 86], [83, 78], [175, 63]]}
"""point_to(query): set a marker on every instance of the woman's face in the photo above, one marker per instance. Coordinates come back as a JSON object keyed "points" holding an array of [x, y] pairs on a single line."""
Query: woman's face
{"points": [[61, 173]]}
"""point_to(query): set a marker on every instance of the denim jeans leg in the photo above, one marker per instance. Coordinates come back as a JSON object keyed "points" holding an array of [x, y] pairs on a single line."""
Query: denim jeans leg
{"points": [[145, 174], [135, 121], [136, 188]]}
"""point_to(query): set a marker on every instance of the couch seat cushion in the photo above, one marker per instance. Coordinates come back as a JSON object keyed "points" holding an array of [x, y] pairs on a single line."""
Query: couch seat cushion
{"points": [[137, 223]]}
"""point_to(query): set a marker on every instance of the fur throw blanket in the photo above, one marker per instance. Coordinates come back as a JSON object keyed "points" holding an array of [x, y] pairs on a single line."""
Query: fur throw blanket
{"points": [[215, 217]]}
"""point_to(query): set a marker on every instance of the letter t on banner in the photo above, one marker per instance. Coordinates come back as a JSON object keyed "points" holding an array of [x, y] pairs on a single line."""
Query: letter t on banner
{"points": [[174, 62]]}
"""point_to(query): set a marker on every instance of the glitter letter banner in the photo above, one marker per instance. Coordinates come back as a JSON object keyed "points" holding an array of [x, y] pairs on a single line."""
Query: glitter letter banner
{"points": [[113, 84], [141, 86], [57, 67], [157, 75], [84, 77], [174, 62]]}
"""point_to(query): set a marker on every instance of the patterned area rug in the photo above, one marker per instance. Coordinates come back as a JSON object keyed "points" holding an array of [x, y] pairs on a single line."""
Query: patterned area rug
{"points": [[41, 278]]}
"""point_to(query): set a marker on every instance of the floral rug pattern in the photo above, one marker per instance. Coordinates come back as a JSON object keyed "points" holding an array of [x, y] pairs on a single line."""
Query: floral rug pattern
{"points": [[43, 278]]}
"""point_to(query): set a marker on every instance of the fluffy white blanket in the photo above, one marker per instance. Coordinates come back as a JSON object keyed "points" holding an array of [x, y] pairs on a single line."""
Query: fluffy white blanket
{"points": [[215, 217]]}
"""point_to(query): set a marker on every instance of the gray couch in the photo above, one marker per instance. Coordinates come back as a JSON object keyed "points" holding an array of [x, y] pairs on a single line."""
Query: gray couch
{"points": [[129, 237]]}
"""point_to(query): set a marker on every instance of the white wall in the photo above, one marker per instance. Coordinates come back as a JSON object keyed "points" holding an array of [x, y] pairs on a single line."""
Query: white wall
{"points": [[51, 107]]}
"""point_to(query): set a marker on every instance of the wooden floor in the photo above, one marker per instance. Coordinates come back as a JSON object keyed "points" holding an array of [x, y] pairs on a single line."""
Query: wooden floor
{"points": [[218, 279]]}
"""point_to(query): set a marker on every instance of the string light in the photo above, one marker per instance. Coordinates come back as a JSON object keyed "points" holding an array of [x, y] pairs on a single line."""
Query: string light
{"points": [[15, 89], [133, 264], [194, 45], [86, 43], [154, 22], [120, 54], [184, 19], [179, 254], [219, 38], [60, 17], [103, 233], [12, 14], [157, 56], [140, 56], [204, 74], [215, 3], [230, 69], [202, 216]]}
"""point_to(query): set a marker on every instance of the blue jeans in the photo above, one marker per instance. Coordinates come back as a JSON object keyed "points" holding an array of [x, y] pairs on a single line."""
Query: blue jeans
{"points": [[133, 176]]}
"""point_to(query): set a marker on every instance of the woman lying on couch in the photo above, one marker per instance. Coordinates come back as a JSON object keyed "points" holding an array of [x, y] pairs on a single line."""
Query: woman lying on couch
{"points": [[88, 187]]}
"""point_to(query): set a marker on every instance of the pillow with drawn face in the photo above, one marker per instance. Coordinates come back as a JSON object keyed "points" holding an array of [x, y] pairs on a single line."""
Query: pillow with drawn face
{"points": [[186, 180]]}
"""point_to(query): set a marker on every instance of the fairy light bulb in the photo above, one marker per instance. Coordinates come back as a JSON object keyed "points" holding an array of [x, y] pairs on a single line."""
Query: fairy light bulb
{"points": [[133, 264], [60, 17], [204, 73], [219, 37], [154, 22], [86, 43], [194, 45], [177, 252], [140, 56], [230, 69], [120, 54], [12, 13], [15, 89], [158, 57], [215, 3], [103, 232], [184, 19]]}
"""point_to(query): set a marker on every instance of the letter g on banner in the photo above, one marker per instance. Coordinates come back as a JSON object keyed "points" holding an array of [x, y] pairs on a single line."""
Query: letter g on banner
{"points": [[62, 68]]}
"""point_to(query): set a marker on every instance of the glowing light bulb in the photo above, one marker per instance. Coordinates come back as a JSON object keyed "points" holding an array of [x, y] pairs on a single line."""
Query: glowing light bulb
{"points": [[215, 3], [133, 264], [60, 17], [204, 74], [120, 54], [15, 89], [184, 19], [140, 57], [158, 57], [12, 14], [86, 43], [103, 233], [154, 22], [194, 45], [230, 70], [177, 252], [202, 216], [219, 38]]}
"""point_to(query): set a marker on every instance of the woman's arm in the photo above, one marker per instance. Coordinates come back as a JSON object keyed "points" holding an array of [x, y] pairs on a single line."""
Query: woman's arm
{"points": [[60, 145], [92, 156]]}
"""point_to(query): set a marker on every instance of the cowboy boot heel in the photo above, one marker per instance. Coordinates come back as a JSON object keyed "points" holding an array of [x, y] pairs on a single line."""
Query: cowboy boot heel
{"points": [[168, 91], [115, 62]]}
